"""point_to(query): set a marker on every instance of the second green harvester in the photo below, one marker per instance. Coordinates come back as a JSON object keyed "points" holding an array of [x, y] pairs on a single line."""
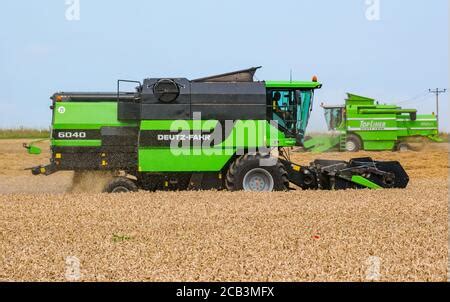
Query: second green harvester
{"points": [[364, 124]]}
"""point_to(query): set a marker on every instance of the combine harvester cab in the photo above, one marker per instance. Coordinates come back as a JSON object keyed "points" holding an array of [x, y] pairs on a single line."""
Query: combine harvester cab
{"points": [[218, 132], [363, 124]]}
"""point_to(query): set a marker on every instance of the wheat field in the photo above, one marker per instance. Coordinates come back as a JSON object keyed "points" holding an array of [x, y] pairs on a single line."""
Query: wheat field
{"points": [[47, 232]]}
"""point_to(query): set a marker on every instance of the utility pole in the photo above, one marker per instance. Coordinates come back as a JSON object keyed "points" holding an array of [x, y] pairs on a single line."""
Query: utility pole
{"points": [[437, 92]]}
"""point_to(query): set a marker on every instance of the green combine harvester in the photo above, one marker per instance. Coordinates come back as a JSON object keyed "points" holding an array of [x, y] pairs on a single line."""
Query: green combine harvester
{"points": [[363, 124], [220, 132]]}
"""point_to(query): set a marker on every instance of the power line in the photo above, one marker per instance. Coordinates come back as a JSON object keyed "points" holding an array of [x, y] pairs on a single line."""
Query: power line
{"points": [[437, 92], [422, 99], [421, 95]]}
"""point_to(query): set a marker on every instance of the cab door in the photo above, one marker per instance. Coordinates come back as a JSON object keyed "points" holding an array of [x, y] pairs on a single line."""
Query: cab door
{"points": [[283, 109]]}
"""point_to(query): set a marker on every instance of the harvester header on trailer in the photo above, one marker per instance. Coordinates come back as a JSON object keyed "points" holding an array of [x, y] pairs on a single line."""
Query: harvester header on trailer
{"points": [[217, 132]]}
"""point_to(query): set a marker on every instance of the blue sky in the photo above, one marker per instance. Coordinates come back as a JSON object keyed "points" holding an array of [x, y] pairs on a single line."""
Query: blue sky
{"points": [[394, 59]]}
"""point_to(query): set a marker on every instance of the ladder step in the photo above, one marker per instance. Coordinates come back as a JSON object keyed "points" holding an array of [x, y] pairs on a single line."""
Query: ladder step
{"points": [[342, 141]]}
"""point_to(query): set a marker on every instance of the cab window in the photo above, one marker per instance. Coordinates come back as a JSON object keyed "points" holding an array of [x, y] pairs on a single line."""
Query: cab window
{"points": [[283, 108]]}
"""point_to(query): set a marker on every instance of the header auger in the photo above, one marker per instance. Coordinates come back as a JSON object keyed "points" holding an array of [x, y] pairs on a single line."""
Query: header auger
{"points": [[216, 132]]}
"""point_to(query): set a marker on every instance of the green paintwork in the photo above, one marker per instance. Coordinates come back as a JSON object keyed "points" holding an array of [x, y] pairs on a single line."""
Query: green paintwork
{"points": [[379, 126], [194, 158], [77, 143], [365, 182], [86, 115], [293, 84], [34, 150], [164, 160], [386, 110], [322, 143], [435, 138]]}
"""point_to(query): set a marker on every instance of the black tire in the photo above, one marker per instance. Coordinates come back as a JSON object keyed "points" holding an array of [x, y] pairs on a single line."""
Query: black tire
{"points": [[353, 143], [120, 185], [249, 163], [403, 147]]}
